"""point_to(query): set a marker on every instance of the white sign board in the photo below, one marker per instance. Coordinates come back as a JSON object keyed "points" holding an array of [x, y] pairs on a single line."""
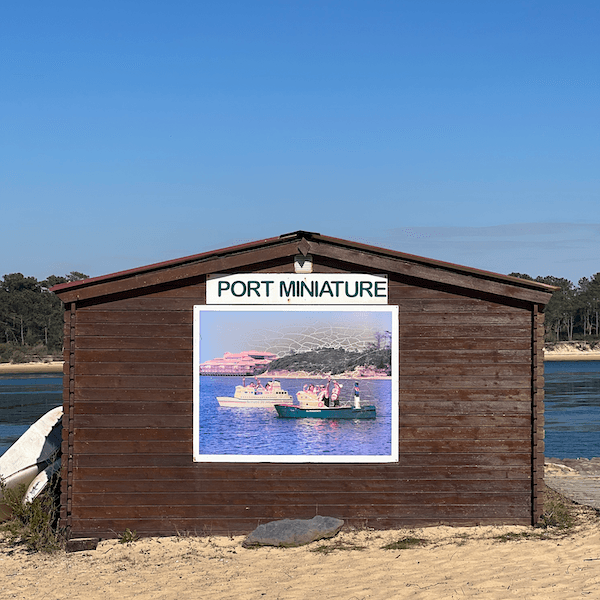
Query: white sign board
{"points": [[292, 288]]}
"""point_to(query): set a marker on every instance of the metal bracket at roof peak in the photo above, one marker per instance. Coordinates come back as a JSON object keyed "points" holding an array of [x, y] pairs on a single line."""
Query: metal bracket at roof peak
{"points": [[300, 233]]}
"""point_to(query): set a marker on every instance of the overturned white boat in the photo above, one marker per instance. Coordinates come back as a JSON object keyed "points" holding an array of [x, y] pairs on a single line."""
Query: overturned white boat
{"points": [[35, 453]]}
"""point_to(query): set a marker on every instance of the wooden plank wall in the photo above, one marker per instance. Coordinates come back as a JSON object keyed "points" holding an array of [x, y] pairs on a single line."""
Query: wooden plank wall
{"points": [[465, 426]]}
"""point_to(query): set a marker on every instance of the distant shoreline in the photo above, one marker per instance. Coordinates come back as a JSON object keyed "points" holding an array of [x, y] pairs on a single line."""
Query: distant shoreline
{"points": [[566, 352], [571, 356], [32, 367]]}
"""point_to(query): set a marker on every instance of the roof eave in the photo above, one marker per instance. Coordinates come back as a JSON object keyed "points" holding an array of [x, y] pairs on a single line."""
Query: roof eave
{"points": [[309, 242]]}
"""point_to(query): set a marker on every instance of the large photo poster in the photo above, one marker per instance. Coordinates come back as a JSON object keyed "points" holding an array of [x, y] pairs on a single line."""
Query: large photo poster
{"points": [[295, 383]]}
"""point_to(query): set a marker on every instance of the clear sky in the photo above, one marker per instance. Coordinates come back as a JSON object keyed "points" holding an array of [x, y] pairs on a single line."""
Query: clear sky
{"points": [[462, 130]]}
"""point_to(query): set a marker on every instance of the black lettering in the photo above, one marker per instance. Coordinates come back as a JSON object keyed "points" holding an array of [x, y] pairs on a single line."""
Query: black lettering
{"points": [[326, 289], [223, 286], [287, 291], [348, 294], [243, 293], [365, 286], [267, 283], [253, 286], [304, 286]]}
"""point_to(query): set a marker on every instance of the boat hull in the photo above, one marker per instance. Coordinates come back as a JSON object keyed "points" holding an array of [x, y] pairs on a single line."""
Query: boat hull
{"points": [[287, 411], [36, 449], [250, 403], [256, 396]]}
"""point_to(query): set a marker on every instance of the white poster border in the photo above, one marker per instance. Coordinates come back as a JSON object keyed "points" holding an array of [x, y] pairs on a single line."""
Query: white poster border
{"points": [[393, 455]]}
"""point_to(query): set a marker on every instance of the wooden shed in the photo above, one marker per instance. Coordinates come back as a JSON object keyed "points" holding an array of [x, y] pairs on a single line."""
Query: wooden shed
{"points": [[468, 374]]}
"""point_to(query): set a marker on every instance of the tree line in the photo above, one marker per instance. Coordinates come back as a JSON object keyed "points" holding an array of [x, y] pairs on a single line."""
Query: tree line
{"points": [[31, 317], [334, 361], [573, 312]]}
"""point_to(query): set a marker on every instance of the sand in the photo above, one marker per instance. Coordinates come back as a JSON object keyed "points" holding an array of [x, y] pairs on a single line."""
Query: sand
{"points": [[33, 367], [572, 355], [461, 562]]}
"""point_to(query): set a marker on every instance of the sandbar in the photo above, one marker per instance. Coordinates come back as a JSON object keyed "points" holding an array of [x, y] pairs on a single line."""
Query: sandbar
{"points": [[32, 367]]}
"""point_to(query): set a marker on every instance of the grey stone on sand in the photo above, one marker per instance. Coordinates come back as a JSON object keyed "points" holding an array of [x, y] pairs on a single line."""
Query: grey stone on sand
{"points": [[293, 532]]}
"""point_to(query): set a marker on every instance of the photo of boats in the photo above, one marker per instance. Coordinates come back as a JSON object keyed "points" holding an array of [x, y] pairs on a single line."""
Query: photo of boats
{"points": [[328, 393]]}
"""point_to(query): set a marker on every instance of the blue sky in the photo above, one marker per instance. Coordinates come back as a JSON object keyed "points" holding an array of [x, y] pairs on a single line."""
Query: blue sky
{"points": [[135, 132]]}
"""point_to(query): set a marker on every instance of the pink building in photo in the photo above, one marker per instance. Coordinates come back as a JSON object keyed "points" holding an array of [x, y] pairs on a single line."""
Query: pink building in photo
{"points": [[242, 363]]}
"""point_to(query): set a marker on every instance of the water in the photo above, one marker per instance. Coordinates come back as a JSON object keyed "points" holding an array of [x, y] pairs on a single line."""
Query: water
{"points": [[254, 431], [572, 414], [23, 400], [572, 398]]}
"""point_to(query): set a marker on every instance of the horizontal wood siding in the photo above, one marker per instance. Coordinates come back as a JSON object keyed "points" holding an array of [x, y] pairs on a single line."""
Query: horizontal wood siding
{"points": [[465, 425], [465, 394]]}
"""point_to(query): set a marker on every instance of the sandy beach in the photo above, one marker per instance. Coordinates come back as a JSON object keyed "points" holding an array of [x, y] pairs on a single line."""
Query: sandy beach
{"points": [[572, 355], [33, 367], [478, 562]]}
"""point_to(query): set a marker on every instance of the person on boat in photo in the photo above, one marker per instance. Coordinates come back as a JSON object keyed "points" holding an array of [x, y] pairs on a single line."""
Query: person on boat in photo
{"points": [[356, 395], [331, 398], [335, 394]]}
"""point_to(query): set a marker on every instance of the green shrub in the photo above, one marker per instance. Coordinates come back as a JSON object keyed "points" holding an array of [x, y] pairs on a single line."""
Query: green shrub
{"points": [[405, 543], [557, 514], [33, 524], [128, 537]]}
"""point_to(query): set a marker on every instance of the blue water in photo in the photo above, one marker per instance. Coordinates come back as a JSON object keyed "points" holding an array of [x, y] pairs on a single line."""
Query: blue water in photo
{"points": [[572, 401], [259, 431]]}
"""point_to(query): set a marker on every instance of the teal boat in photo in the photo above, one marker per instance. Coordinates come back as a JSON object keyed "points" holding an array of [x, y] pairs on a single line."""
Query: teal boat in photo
{"points": [[322, 402], [289, 411]]}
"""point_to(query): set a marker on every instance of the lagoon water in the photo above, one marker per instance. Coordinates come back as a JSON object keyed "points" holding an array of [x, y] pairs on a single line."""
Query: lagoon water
{"points": [[572, 399], [572, 413], [23, 400]]}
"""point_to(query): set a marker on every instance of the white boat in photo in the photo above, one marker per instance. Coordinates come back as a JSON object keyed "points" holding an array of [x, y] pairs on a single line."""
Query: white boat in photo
{"points": [[256, 395], [36, 450]]}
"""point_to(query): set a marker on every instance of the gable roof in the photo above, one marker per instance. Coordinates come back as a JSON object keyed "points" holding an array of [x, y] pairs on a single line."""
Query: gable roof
{"points": [[304, 242]]}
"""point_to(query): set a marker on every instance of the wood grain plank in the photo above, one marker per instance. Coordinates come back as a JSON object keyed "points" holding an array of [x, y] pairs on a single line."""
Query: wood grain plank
{"points": [[119, 502], [162, 382], [226, 486], [165, 448], [138, 330], [424, 459], [461, 356], [143, 317], [465, 318], [134, 369], [118, 408], [302, 475], [133, 343], [276, 510], [112, 528], [125, 355]]}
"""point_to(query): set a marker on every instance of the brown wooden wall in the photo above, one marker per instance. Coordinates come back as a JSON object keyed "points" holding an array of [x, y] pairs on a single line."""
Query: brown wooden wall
{"points": [[470, 419]]}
